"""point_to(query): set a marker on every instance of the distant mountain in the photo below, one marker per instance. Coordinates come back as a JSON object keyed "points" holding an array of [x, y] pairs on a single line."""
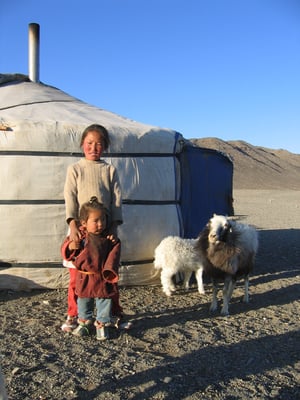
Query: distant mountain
{"points": [[257, 167]]}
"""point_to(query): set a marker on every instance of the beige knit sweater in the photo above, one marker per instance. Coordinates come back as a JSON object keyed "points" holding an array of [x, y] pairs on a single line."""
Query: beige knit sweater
{"points": [[93, 178]]}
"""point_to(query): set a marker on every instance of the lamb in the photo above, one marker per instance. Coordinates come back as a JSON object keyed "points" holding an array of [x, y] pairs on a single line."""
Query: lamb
{"points": [[228, 249], [174, 255]]}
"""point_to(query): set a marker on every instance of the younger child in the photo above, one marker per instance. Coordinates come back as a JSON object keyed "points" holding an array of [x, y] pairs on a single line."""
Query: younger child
{"points": [[96, 257]]}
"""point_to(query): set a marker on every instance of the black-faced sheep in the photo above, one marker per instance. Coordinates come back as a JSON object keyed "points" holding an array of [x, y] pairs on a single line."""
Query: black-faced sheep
{"points": [[174, 255], [228, 249]]}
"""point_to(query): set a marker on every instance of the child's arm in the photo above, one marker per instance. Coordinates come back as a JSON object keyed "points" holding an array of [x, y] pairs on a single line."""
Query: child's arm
{"points": [[69, 249], [75, 234], [113, 232], [110, 270]]}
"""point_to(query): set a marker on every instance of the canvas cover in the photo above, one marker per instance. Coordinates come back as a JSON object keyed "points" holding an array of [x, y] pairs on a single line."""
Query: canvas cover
{"points": [[40, 132]]}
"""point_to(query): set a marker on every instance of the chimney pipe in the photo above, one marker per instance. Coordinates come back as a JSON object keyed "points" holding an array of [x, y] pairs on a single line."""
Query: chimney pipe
{"points": [[34, 52]]}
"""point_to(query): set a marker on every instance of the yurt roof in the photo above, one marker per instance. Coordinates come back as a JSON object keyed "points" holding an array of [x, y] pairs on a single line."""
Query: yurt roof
{"points": [[45, 109]]}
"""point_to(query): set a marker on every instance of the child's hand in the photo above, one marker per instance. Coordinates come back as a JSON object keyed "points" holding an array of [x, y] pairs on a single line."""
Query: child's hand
{"points": [[113, 238], [74, 245], [75, 234]]}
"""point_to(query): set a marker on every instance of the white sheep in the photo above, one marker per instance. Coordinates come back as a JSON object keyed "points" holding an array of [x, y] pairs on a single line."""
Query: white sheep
{"points": [[174, 255], [228, 249]]}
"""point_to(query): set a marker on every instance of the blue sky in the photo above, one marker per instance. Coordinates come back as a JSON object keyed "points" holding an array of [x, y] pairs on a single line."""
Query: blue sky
{"points": [[206, 68]]}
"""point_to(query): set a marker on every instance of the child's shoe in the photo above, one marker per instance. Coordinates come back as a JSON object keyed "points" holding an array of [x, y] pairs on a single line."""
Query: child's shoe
{"points": [[70, 324], [84, 328], [101, 331]]}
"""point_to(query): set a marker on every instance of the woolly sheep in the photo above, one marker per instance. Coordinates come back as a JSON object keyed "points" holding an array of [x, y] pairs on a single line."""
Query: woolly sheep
{"points": [[174, 255], [228, 249]]}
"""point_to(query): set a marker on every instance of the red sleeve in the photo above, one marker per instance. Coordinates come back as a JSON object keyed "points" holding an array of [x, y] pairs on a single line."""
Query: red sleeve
{"points": [[110, 270]]}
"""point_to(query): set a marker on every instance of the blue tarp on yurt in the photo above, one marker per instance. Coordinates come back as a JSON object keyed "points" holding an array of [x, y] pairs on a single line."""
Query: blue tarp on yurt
{"points": [[206, 187]]}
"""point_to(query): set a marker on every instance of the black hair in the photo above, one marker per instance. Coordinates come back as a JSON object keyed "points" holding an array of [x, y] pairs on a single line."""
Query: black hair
{"points": [[99, 129], [92, 204]]}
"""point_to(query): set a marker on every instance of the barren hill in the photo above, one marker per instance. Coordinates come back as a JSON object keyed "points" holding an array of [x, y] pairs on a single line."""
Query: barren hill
{"points": [[257, 167]]}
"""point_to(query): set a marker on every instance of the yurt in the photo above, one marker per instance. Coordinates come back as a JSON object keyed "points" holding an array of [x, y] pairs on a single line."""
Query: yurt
{"points": [[169, 187]]}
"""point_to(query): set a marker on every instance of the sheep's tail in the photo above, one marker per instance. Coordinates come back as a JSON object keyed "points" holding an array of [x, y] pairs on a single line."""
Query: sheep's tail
{"points": [[156, 264]]}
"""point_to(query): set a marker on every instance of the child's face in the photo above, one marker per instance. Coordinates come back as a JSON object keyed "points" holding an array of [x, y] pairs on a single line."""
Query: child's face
{"points": [[92, 146], [96, 222]]}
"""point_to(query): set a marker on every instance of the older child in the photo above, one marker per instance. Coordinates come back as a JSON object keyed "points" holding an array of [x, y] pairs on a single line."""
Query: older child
{"points": [[91, 176], [96, 258]]}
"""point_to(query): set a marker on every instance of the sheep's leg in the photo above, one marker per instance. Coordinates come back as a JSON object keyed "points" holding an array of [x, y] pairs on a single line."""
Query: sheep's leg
{"points": [[186, 281], [178, 278], [246, 294], [229, 285], [199, 274], [214, 302], [167, 283]]}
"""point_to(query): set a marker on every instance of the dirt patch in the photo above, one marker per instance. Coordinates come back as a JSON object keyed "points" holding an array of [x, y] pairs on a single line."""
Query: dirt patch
{"points": [[176, 348]]}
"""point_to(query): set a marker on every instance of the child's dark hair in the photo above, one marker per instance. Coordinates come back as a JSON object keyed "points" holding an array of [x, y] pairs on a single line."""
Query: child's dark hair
{"points": [[92, 204], [102, 132]]}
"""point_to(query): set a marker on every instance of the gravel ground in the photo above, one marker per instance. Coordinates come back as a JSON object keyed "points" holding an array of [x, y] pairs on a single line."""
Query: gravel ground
{"points": [[176, 349]]}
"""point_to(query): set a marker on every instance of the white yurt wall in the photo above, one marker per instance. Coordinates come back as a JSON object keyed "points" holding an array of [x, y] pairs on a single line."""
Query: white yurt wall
{"points": [[40, 131]]}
